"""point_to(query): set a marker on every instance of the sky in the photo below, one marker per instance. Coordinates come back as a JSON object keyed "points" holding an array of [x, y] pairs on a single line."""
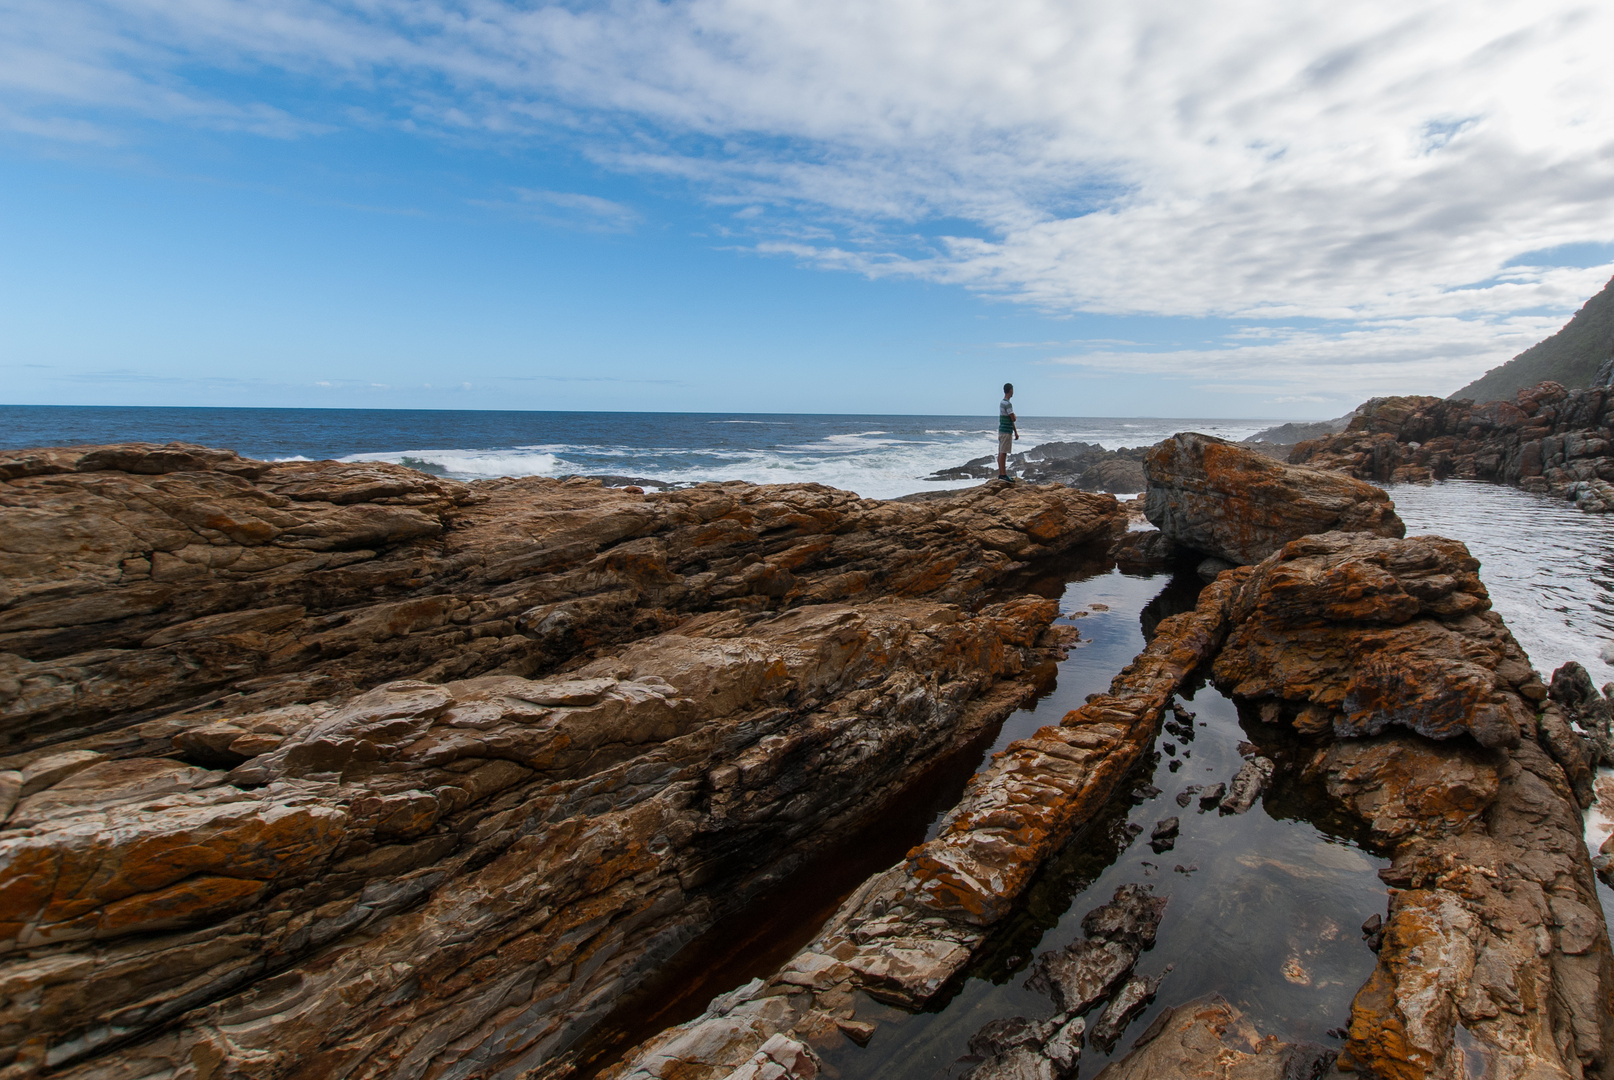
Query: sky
{"points": [[1239, 208]]}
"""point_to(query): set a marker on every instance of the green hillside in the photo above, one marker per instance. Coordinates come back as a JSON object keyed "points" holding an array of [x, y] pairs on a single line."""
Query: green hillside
{"points": [[1571, 356]]}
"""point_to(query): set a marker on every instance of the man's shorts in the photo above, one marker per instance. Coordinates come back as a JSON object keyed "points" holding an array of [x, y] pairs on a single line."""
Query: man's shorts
{"points": [[1005, 442]]}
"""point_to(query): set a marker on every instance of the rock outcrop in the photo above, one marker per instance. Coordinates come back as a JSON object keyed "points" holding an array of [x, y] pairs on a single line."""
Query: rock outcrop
{"points": [[324, 769], [1548, 440], [1233, 503], [1494, 946], [1087, 466], [1423, 719]]}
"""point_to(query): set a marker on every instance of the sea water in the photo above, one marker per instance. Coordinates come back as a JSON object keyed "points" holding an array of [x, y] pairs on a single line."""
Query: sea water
{"points": [[879, 457]]}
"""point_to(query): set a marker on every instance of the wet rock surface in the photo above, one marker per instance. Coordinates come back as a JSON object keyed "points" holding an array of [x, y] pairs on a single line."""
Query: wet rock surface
{"points": [[338, 769], [1548, 439], [1233, 503], [1209, 1039]]}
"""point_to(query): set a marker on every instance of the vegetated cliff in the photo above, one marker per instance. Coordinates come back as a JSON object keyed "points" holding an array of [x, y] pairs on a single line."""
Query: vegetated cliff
{"points": [[1571, 356], [318, 769], [1552, 440]]}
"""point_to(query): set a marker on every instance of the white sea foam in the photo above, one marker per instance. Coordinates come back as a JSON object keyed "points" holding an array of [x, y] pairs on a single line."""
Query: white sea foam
{"points": [[875, 462]]}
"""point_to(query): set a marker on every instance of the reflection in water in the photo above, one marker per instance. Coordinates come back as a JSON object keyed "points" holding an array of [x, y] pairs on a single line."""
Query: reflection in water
{"points": [[1549, 567], [1265, 908]]}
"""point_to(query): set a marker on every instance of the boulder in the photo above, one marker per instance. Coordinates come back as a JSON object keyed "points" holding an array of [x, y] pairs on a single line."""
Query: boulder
{"points": [[1350, 634], [1233, 503]]}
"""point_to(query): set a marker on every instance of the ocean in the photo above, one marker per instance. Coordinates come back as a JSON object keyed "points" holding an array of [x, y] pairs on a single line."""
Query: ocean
{"points": [[878, 457]]}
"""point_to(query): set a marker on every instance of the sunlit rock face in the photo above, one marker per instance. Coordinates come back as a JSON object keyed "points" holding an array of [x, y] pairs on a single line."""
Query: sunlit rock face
{"points": [[328, 769], [1236, 504]]}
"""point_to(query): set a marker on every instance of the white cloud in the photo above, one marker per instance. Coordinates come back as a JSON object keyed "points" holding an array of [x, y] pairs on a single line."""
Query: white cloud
{"points": [[1374, 164], [570, 209]]}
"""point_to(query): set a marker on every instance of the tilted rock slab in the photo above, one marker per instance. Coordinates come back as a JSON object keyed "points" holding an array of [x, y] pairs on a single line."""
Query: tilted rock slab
{"points": [[1237, 504], [136, 580], [1495, 958], [317, 801], [909, 930]]}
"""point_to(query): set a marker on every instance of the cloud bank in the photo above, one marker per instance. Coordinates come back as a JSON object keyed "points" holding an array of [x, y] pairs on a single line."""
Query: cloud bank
{"points": [[1363, 184]]}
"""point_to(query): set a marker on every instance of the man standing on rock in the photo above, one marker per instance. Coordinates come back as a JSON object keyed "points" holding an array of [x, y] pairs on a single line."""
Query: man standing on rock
{"points": [[1007, 430]]}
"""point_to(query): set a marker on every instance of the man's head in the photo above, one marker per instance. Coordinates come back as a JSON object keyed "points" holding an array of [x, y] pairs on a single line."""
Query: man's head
{"points": [[1008, 389]]}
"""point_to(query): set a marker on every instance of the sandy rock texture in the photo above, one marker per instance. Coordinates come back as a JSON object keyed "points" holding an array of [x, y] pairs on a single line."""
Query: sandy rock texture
{"points": [[1234, 503], [321, 769], [906, 932], [1548, 440], [1494, 959]]}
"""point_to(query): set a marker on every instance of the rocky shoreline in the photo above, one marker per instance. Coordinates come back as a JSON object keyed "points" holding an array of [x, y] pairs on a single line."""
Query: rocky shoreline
{"points": [[317, 769], [349, 769], [1549, 440]]}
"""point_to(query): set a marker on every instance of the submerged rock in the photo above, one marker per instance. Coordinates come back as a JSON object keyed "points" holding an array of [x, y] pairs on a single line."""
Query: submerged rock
{"points": [[1235, 504], [1209, 1039]]}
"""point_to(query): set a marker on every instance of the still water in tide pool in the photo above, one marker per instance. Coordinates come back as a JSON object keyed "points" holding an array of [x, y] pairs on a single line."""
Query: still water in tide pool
{"points": [[1264, 907]]}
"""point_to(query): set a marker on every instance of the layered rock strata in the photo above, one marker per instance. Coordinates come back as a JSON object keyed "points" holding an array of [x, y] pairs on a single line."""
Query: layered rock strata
{"points": [[327, 769], [139, 578], [908, 931], [1227, 501], [1549, 440]]}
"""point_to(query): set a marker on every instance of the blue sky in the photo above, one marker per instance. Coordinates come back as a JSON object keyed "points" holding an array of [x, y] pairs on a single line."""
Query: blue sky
{"points": [[1251, 209]]}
